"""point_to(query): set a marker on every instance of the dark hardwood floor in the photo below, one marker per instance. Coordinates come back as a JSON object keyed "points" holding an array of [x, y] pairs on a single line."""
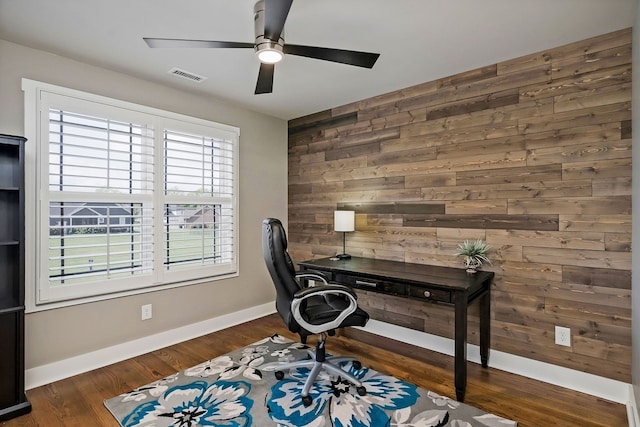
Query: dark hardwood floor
{"points": [[78, 401]]}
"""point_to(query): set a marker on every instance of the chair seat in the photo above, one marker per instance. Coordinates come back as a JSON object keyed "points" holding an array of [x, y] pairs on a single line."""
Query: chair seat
{"points": [[320, 310]]}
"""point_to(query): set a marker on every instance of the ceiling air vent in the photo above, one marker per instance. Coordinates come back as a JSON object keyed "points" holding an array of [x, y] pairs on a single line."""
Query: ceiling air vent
{"points": [[187, 75]]}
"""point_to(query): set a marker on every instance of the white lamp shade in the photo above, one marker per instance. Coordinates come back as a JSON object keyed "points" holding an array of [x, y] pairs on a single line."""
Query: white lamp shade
{"points": [[344, 220]]}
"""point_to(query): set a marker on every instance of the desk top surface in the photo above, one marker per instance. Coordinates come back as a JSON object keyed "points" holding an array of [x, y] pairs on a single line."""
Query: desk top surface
{"points": [[421, 274]]}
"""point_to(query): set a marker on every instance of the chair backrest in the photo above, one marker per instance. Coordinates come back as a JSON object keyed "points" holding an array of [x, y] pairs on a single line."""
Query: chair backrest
{"points": [[281, 269]]}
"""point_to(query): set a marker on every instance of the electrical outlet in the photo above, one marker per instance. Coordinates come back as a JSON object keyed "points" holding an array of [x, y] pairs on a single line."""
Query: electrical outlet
{"points": [[147, 312], [563, 336]]}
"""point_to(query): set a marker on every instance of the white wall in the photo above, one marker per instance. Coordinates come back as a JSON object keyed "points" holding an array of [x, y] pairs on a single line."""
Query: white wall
{"points": [[64, 333]]}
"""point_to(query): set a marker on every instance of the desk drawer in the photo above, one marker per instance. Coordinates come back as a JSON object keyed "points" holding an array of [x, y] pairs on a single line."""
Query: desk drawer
{"points": [[371, 284], [429, 294]]}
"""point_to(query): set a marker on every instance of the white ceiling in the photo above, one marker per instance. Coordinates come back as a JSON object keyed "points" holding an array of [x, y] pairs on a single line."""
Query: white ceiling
{"points": [[419, 41]]}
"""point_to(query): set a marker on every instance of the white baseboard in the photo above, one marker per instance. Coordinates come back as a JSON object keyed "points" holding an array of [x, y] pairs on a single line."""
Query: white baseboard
{"points": [[632, 409], [605, 388], [46, 374]]}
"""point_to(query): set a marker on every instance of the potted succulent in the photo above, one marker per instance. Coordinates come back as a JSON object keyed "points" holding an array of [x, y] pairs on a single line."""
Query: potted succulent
{"points": [[474, 254]]}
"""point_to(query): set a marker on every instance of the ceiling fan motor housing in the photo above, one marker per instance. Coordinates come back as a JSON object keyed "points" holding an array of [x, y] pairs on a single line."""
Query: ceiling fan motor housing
{"points": [[262, 43]]}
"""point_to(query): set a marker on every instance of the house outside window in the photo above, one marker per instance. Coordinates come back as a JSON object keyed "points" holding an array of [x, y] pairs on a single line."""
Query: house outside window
{"points": [[130, 198]]}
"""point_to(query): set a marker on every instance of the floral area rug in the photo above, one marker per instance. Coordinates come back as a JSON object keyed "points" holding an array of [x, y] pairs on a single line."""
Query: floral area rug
{"points": [[237, 390]]}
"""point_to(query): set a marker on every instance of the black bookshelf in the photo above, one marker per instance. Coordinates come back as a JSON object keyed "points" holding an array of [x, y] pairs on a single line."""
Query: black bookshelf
{"points": [[13, 401]]}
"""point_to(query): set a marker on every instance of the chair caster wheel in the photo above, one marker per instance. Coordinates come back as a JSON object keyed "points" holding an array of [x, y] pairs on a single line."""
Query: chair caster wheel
{"points": [[306, 400], [356, 365], [279, 375], [361, 390]]}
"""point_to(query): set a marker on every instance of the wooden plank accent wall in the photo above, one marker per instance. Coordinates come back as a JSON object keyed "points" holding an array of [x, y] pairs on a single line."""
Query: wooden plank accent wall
{"points": [[532, 154]]}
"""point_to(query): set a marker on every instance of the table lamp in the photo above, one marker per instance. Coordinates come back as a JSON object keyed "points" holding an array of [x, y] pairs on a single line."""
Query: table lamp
{"points": [[344, 221]]}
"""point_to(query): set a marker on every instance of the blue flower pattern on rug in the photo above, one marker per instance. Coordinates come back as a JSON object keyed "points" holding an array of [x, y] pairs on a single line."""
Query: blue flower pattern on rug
{"points": [[338, 400], [197, 404], [233, 391]]}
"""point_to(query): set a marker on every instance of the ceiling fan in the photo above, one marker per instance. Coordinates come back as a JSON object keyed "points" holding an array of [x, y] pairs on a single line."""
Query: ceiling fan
{"points": [[269, 20]]}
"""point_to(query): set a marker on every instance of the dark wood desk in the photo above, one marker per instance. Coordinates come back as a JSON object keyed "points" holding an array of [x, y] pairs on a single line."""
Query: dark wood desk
{"points": [[442, 285]]}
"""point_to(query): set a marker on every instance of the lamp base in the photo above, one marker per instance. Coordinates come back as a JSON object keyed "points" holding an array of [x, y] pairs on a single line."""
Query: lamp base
{"points": [[343, 256]]}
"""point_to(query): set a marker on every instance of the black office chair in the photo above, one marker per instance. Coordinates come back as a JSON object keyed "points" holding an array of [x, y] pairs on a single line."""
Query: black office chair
{"points": [[318, 309]]}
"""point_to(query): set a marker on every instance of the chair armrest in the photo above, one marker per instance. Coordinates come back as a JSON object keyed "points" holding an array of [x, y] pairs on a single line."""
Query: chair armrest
{"points": [[322, 290], [312, 274], [325, 289]]}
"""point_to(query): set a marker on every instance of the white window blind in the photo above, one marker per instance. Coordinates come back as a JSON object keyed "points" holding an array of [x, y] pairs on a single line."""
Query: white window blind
{"points": [[198, 165], [130, 197], [95, 154], [198, 168]]}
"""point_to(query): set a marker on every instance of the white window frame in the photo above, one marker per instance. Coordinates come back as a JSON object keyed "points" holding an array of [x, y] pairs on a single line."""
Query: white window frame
{"points": [[39, 98]]}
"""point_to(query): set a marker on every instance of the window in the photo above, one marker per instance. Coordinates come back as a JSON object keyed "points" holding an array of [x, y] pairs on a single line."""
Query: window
{"points": [[129, 197]]}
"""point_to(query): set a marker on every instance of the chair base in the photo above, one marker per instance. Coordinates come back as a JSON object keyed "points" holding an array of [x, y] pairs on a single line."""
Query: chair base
{"points": [[318, 362]]}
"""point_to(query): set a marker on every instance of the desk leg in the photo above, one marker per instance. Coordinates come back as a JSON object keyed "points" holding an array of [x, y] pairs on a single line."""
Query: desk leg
{"points": [[485, 328], [460, 374]]}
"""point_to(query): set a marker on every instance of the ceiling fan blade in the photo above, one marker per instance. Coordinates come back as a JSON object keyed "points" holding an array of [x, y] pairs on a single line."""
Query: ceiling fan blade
{"points": [[265, 79], [275, 15], [350, 57], [185, 43]]}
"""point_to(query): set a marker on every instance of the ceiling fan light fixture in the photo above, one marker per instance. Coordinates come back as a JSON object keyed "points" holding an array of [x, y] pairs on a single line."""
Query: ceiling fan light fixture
{"points": [[269, 52], [270, 56]]}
